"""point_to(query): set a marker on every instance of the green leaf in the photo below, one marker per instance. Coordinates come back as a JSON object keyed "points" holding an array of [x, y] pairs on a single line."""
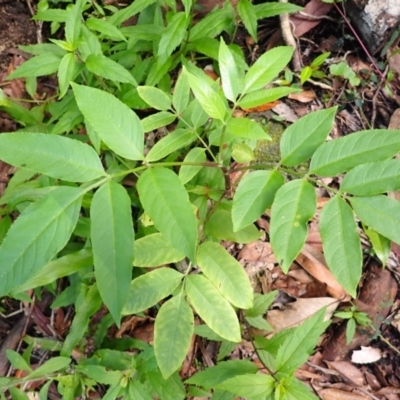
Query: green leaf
{"points": [[148, 289], [226, 274], [123, 14], [231, 75], [248, 16], [154, 250], [350, 330], [260, 322], [167, 203], [305, 74], [265, 96], [261, 303], [157, 120], [17, 361], [249, 386], [380, 245], [295, 390], [63, 266], [52, 365], [298, 346], [172, 37], [212, 308], [271, 9], [301, 139], [170, 143], [117, 125], [341, 155], [254, 195], [55, 156], [45, 64], [341, 241], [267, 67], [213, 376], [294, 205], [210, 101], [106, 28], [180, 98], [372, 178], [380, 213], [66, 72], [89, 304], [220, 227], [155, 97], [246, 128], [112, 241], [173, 332], [109, 69], [38, 234], [187, 172], [73, 23], [242, 153]]}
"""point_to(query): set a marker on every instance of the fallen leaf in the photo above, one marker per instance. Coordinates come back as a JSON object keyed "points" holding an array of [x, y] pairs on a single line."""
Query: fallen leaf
{"points": [[336, 394], [303, 97], [262, 107], [366, 355], [285, 112], [348, 371]]}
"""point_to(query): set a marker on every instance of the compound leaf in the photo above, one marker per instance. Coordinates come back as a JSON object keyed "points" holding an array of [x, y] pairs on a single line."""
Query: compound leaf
{"points": [[341, 155], [213, 309], [167, 203], [55, 156], [112, 241], [173, 331], [38, 234], [254, 194], [225, 273], [148, 289], [294, 204], [301, 139], [116, 124], [341, 242]]}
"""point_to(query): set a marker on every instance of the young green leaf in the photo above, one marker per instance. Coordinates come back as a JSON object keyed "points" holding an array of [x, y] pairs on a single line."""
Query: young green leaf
{"points": [[55, 156], [155, 97], [380, 213], [254, 194], [180, 98], [249, 386], [148, 289], [109, 69], [170, 143], [345, 153], [45, 64], [225, 273], [50, 366], [372, 178], [173, 331], [261, 303], [264, 96], [154, 250], [157, 120], [17, 361], [341, 241], [213, 309], [248, 16], [66, 72], [293, 389], [167, 203], [90, 302], [266, 68], [172, 37], [298, 346], [301, 139], [73, 23], [112, 241], [187, 172], [213, 376], [117, 125], [231, 75], [38, 234], [105, 27], [246, 128], [242, 153], [210, 100], [271, 9], [380, 244], [295, 203], [124, 13]]}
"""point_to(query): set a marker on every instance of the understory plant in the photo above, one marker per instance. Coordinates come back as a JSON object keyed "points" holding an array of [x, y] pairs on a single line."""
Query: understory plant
{"points": [[135, 221]]}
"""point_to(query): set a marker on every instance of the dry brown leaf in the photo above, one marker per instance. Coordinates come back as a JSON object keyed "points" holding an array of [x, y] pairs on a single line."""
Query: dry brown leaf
{"points": [[303, 97], [395, 120], [336, 394], [316, 8], [295, 313], [313, 262], [284, 111], [257, 251], [348, 371]]}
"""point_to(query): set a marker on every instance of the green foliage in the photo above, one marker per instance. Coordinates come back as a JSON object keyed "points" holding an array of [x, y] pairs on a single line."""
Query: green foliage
{"points": [[137, 226], [353, 317]]}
